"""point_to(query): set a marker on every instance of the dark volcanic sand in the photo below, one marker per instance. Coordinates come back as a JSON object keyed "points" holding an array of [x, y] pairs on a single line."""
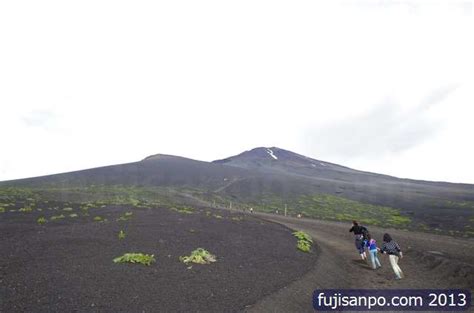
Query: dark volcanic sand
{"points": [[66, 265]]}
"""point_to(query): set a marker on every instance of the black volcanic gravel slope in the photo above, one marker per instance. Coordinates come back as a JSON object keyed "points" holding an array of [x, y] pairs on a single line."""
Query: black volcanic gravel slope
{"points": [[66, 265]]}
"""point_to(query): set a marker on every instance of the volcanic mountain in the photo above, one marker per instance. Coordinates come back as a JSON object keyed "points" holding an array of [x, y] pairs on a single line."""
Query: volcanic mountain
{"points": [[270, 178]]}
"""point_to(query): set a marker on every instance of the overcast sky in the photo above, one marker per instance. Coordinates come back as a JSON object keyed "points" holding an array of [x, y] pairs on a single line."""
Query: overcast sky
{"points": [[381, 86]]}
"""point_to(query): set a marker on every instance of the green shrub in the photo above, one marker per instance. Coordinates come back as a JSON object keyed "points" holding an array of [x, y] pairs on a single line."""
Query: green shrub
{"points": [[73, 215], [25, 210], [57, 217], [41, 220], [125, 217], [304, 241], [183, 210], [199, 256], [303, 236], [98, 219], [141, 258], [2, 210], [121, 234], [67, 209]]}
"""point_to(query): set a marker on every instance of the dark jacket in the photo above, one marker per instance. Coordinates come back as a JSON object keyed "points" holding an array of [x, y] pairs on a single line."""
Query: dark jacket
{"points": [[391, 247], [358, 230]]}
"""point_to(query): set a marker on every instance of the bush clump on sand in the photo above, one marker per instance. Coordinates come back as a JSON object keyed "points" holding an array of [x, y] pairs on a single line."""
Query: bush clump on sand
{"points": [[199, 256], [141, 258], [2, 210], [121, 234], [57, 217], [183, 210], [41, 220], [99, 219], [125, 217], [304, 241]]}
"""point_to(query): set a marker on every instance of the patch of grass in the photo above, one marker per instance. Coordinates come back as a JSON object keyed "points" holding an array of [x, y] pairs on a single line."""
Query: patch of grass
{"points": [[41, 220], [125, 217], [217, 216], [398, 220], [73, 215], [57, 217], [68, 209], [237, 218], [199, 256], [2, 210], [121, 234], [25, 210], [304, 241], [99, 219], [140, 258], [183, 210]]}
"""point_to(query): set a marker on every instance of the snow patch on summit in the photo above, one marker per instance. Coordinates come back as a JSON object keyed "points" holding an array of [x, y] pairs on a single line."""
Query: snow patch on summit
{"points": [[270, 152]]}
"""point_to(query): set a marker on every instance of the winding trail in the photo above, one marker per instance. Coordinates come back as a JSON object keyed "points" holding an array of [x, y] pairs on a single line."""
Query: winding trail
{"points": [[430, 261]]}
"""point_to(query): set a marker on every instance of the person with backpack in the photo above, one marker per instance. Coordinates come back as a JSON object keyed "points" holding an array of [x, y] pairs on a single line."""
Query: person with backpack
{"points": [[394, 254], [359, 235], [372, 247]]}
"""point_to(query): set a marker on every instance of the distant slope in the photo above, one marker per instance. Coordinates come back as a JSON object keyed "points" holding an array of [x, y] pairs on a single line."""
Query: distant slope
{"points": [[268, 178], [157, 170]]}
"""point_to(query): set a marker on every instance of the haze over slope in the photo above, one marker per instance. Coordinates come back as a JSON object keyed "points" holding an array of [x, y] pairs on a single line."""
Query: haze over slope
{"points": [[269, 178]]}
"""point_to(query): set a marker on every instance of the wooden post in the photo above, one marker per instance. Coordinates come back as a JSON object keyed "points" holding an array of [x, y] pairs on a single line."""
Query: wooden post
{"points": [[285, 209]]}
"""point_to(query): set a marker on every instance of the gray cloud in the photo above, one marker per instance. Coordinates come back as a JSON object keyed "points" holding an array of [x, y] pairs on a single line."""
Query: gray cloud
{"points": [[386, 129]]}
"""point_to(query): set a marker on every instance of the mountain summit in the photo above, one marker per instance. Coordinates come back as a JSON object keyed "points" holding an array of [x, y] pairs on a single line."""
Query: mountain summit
{"points": [[277, 159]]}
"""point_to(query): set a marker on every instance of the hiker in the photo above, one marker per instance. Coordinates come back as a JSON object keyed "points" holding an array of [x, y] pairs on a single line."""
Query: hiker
{"points": [[371, 245], [359, 232], [251, 210], [394, 254]]}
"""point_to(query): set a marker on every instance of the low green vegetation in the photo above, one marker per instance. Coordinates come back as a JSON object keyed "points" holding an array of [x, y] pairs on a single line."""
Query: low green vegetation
{"points": [[99, 219], [121, 234], [183, 210], [145, 259], [304, 241], [57, 217], [26, 210], [199, 256], [41, 220], [125, 217], [89, 199], [73, 215]]}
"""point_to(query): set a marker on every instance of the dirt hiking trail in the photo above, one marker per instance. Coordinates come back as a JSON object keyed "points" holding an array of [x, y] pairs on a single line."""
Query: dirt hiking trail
{"points": [[430, 261]]}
